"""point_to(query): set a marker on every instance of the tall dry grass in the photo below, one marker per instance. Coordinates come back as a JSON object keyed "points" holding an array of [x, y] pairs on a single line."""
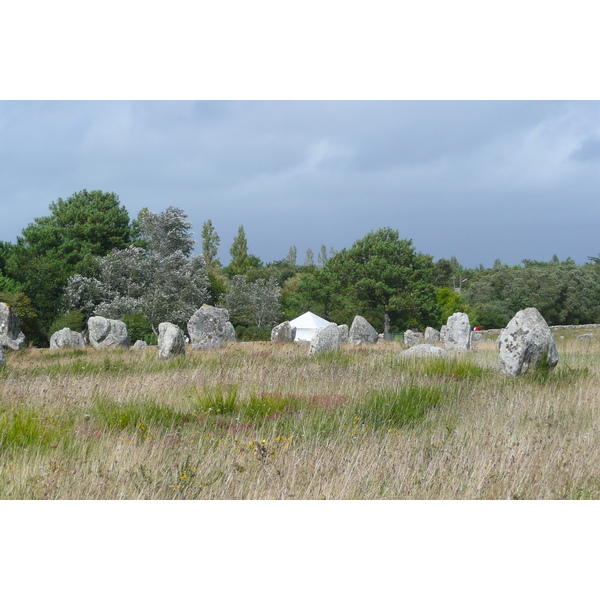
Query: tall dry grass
{"points": [[256, 421]]}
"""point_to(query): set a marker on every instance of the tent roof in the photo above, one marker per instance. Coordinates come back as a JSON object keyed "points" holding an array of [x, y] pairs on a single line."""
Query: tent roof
{"points": [[308, 321]]}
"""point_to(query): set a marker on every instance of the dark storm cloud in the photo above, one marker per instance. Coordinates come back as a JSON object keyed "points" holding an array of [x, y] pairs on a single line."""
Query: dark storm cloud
{"points": [[459, 178]]}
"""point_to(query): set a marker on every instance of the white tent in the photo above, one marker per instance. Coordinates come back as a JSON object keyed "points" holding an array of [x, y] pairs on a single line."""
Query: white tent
{"points": [[306, 325]]}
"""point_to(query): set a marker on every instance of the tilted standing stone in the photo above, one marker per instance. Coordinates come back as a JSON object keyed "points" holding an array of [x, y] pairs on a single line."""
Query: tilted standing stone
{"points": [[362, 332], [525, 342], [458, 332], [66, 338], [432, 335], [106, 333], [210, 327], [171, 340], [412, 338], [283, 333], [327, 338], [343, 329], [11, 335]]}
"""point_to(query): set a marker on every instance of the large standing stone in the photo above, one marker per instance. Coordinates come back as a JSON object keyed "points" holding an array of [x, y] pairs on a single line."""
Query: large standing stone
{"points": [[210, 327], [171, 340], [458, 332], [327, 338], [432, 335], [11, 335], [105, 333], [424, 350], [525, 342], [66, 338], [412, 338], [283, 333], [344, 333], [362, 332]]}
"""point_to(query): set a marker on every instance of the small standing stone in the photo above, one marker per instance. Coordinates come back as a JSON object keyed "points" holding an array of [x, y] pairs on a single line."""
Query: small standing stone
{"points": [[171, 340], [412, 338], [107, 333], [431, 335], [362, 332], [526, 341], [140, 345], [283, 333], [210, 327], [424, 350], [326, 339], [11, 335], [343, 329], [66, 338], [458, 332]]}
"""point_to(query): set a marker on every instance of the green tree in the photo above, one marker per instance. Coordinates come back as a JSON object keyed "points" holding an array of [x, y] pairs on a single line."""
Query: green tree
{"points": [[379, 275], [240, 259], [54, 247], [210, 245]]}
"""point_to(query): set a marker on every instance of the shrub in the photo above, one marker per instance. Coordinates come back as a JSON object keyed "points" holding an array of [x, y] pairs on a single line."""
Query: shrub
{"points": [[138, 326], [74, 320]]}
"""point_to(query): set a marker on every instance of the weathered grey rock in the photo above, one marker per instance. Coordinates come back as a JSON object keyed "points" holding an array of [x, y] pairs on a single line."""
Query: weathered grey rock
{"points": [[2, 356], [140, 345], [362, 332], [209, 327], [284, 333], [458, 332], [11, 335], [326, 339], [476, 336], [107, 333], [443, 330], [431, 335], [585, 337], [171, 340], [525, 342], [424, 350], [412, 338], [343, 329], [66, 338]]}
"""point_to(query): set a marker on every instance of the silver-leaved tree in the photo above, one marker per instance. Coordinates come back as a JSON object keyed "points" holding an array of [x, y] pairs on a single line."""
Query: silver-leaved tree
{"points": [[254, 303], [162, 280]]}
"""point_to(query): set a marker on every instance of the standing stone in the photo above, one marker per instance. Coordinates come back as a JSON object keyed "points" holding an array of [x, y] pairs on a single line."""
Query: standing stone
{"points": [[424, 350], [171, 340], [283, 333], [2, 356], [443, 330], [210, 327], [11, 335], [476, 336], [343, 329], [412, 338], [362, 332], [458, 332], [526, 341], [432, 335], [140, 345], [326, 339], [66, 338], [105, 333]]}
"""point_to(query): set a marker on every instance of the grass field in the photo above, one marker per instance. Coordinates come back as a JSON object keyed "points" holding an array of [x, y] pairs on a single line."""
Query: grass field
{"points": [[257, 421]]}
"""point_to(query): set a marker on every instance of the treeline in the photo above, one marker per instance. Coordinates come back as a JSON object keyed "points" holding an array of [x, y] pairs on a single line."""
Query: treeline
{"points": [[88, 257]]}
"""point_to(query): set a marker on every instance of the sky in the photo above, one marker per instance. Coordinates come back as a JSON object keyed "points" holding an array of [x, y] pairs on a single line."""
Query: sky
{"points": [[478, 180]]}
